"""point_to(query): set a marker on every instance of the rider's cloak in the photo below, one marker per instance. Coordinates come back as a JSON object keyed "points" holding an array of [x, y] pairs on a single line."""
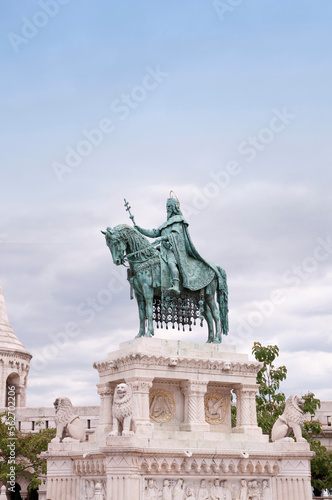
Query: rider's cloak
{"points": [[196, 272]]}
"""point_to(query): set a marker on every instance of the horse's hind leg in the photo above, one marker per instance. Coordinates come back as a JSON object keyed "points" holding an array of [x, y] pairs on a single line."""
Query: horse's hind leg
{"points": [[211, 304], [209, 319], [141, 312]]}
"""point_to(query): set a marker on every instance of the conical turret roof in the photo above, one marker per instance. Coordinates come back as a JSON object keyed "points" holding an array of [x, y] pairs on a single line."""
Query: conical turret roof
{"points": [[8, 340]]}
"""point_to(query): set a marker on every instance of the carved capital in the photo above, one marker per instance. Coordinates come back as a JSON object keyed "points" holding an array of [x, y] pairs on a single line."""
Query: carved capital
{"points": [[140, 385], [246, 390], [194, 387], [105, 390], [19, 389]]}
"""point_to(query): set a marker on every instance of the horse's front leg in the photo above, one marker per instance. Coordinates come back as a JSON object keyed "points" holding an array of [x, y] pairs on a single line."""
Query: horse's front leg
{"points": [[149, 314], [148, 296], [141, 312]]}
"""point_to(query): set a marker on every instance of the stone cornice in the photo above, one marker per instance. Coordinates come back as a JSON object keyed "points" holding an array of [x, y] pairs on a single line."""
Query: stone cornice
{"points": [[12, 357], [215, 365], [201, 463], [140, 451]]}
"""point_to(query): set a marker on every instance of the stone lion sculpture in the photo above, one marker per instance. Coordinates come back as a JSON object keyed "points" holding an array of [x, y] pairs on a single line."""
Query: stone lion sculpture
{"points": [[68, 425], [291, 420], [122, 412]]}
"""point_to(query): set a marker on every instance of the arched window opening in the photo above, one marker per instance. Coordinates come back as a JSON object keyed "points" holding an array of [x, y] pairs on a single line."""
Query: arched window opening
{"points": [[33, 495], [15, 495], [13, 380]]}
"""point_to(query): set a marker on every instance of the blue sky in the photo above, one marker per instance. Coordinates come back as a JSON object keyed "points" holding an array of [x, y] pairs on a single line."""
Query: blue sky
{"points": [[222, 82]]}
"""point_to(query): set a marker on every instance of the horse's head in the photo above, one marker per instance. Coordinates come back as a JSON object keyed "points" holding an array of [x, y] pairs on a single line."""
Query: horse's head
{"points": [[116, 242]]}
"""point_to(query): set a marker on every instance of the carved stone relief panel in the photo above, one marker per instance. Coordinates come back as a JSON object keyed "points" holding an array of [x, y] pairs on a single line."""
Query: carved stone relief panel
{"points": [[214, 409], [93, 488], [215, 405], [209, 488], [89, 467], [167, 395], [204, 466], [162, 405]]}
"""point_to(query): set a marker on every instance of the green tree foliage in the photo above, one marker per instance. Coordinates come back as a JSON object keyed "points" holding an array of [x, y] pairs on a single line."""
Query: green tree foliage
{"points": [[22, 457], [233, 411], [321, 465], [270, 401]]}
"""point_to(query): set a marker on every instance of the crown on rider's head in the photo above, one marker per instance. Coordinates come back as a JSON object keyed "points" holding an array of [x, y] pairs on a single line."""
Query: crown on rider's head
{"points": [[172, 201]]}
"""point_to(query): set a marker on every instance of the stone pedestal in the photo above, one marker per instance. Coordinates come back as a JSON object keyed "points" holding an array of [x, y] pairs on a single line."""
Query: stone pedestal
{"points": [[181, 399]]}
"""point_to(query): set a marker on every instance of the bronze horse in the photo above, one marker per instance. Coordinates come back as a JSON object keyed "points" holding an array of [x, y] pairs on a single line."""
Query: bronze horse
{"points": [[127, 244]]}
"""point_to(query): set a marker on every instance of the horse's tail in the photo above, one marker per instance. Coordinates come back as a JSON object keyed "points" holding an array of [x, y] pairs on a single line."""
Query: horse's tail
{"points": [[222, 296]]}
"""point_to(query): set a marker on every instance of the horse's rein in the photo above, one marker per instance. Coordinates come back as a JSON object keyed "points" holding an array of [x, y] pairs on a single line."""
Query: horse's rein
{"points": [[126, 257]]}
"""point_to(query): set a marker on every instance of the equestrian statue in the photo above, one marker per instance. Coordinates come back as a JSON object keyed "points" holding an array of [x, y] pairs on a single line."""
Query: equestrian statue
{"points": [[172, 283]]}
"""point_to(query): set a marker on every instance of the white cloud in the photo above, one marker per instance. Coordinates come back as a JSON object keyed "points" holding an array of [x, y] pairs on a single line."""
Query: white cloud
{"points": [[250, 230]]}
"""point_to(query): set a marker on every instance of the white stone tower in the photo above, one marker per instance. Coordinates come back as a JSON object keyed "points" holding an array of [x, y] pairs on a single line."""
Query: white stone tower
{"points": [[14, 361]]}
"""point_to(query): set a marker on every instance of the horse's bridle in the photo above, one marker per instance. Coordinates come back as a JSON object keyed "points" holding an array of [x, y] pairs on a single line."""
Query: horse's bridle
{"points": [[127, 257]]}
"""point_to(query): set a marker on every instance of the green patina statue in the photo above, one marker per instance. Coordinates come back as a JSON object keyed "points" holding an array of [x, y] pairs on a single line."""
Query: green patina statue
{"points": [[179, 256], [171, 281]]}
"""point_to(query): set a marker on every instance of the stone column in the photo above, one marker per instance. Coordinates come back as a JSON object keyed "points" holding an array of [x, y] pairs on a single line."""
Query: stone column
{"points": [[23, 385], [23, 397], [141, 405], [24, 483], [105, 392], [246, 415], [20, 396], [194, 411]]}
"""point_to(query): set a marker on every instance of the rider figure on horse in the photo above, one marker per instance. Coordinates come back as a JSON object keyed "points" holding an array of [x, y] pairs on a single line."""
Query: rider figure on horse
{"points": [[179, 256]]}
